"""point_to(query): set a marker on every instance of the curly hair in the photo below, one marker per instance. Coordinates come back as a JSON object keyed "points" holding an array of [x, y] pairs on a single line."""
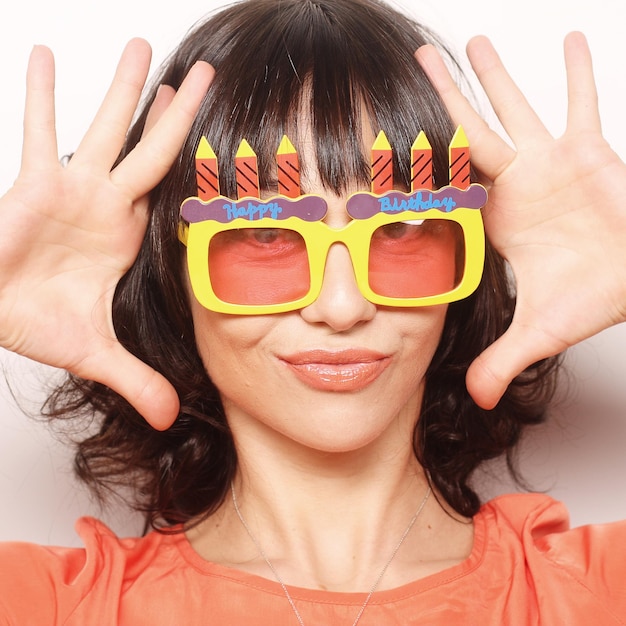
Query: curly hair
{"points": [[346, 64]]}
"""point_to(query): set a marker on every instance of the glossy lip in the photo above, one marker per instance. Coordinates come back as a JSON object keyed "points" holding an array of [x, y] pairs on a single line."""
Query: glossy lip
{"points": [[341, 370]]}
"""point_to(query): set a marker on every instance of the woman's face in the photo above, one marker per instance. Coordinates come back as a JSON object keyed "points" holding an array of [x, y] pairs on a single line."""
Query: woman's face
{"points": [[333, 376]]}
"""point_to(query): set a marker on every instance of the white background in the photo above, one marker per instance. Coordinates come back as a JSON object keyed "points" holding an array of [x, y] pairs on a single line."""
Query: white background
{"points": [[579, 457]]}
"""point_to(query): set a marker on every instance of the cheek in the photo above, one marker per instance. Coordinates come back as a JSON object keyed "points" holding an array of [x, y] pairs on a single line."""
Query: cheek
{"points": [[421, 338], [231, 347]]}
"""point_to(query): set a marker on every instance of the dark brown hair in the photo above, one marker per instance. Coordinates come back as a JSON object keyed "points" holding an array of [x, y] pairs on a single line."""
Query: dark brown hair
{"points": [[345, 64]]}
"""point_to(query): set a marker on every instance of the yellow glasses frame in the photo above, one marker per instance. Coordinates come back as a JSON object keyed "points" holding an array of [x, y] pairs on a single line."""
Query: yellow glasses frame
{"points": [[319, 237]]}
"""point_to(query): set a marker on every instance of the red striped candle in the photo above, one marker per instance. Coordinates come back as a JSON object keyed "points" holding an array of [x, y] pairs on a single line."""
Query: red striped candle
{"points": [[382, 165], [421, 163], [288, 169], [206, 171], [246, 171], [459, 159]]}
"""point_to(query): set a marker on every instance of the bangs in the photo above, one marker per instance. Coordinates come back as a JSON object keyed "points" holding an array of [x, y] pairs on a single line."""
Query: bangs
{"points": [[344, 66]]}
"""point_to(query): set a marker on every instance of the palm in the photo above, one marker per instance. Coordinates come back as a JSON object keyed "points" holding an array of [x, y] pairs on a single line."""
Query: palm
{"points": [[62, 254], [70, 233], [545, 213]]}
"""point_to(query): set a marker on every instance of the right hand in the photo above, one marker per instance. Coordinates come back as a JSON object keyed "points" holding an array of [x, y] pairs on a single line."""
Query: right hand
{"points": [[70, 233]]}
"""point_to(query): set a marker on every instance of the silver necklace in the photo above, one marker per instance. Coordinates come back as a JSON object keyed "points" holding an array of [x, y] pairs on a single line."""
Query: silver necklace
{"points": [[280, 580]]}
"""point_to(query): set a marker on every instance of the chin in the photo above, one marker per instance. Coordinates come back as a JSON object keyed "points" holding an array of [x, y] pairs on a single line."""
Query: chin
{"points": [[343, 432]]}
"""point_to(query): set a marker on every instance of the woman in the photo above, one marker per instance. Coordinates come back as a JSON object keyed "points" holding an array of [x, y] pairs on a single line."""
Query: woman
{"points": [[317, 467]]}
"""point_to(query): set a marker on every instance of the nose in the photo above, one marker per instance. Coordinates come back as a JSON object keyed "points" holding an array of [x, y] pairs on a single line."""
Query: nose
{"points": [[340, 305]]}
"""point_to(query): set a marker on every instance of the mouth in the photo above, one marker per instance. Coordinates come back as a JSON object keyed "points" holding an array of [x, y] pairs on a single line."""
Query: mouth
{"points": [[343, 370]]}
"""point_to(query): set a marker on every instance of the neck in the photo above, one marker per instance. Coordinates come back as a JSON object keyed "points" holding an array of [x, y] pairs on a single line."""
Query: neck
{"points": [[348, 492], [330, 520], [330, 489]]}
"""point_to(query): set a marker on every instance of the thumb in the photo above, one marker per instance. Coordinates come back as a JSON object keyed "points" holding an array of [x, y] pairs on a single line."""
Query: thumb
{"points": [[148, 391], [492, 371]]}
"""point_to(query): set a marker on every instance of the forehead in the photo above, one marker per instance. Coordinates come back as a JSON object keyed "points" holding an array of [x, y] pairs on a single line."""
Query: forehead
{"points": [[312, 178]]}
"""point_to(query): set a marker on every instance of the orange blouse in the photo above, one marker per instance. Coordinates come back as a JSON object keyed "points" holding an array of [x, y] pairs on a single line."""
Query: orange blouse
{"points": [[526, 567]]}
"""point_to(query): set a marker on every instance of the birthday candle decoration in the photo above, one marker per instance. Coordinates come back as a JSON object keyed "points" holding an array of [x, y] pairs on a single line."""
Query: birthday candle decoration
{"points": [[382, 165], [247, 173], [421, 163], [206, 171], [459, 160], [288, 169]]}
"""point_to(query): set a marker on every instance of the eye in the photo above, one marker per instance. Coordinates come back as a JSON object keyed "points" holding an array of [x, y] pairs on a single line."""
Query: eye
{"points": [[397, 230], [283, 236], [257, 244], [266, 235]]}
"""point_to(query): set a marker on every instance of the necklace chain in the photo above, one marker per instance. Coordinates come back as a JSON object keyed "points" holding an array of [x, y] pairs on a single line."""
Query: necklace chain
{"points": [[280, 580]]}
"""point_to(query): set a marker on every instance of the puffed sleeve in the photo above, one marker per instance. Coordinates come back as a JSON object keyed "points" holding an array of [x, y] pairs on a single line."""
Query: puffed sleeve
{"points": [[48, 585], [574, 571]]}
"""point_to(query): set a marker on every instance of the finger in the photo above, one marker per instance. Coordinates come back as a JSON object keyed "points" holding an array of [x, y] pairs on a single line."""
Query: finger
{"points": [[513, 110], [151, 159], [582, 96], [107, 133], [490, 154], [163, 98], [40, 143], [146, 390], [492, 371]]}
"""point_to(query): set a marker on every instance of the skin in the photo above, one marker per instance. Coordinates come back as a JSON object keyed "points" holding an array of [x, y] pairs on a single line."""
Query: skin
{"points": [[66, 261], [330, 514], [245, 357], [546, 194], [59, 258], [329, 476]]}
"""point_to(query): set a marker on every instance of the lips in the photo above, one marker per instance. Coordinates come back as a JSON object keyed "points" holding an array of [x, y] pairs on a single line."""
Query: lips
{"points": [[343, 370]]}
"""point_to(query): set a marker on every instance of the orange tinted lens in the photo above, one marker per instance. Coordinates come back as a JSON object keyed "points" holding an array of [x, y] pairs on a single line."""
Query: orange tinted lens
{"points": [[416, 259], [259, 266]]}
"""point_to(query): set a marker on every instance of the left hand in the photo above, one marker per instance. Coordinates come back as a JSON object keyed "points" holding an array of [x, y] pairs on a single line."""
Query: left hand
{"points": [[556, 212]]}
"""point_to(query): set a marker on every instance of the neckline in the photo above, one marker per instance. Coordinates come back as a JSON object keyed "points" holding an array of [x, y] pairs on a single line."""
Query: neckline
{"points": [[271, 586]]}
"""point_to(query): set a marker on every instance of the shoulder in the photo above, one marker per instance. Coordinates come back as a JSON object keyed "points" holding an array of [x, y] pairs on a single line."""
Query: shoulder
{"points": [[521, 513], [44, 584], [545, 524], [101, 548], [536, 529]]}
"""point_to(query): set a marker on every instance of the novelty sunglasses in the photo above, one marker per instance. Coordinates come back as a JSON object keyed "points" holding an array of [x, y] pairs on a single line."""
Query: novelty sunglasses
{"points": [[255, 257]]}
